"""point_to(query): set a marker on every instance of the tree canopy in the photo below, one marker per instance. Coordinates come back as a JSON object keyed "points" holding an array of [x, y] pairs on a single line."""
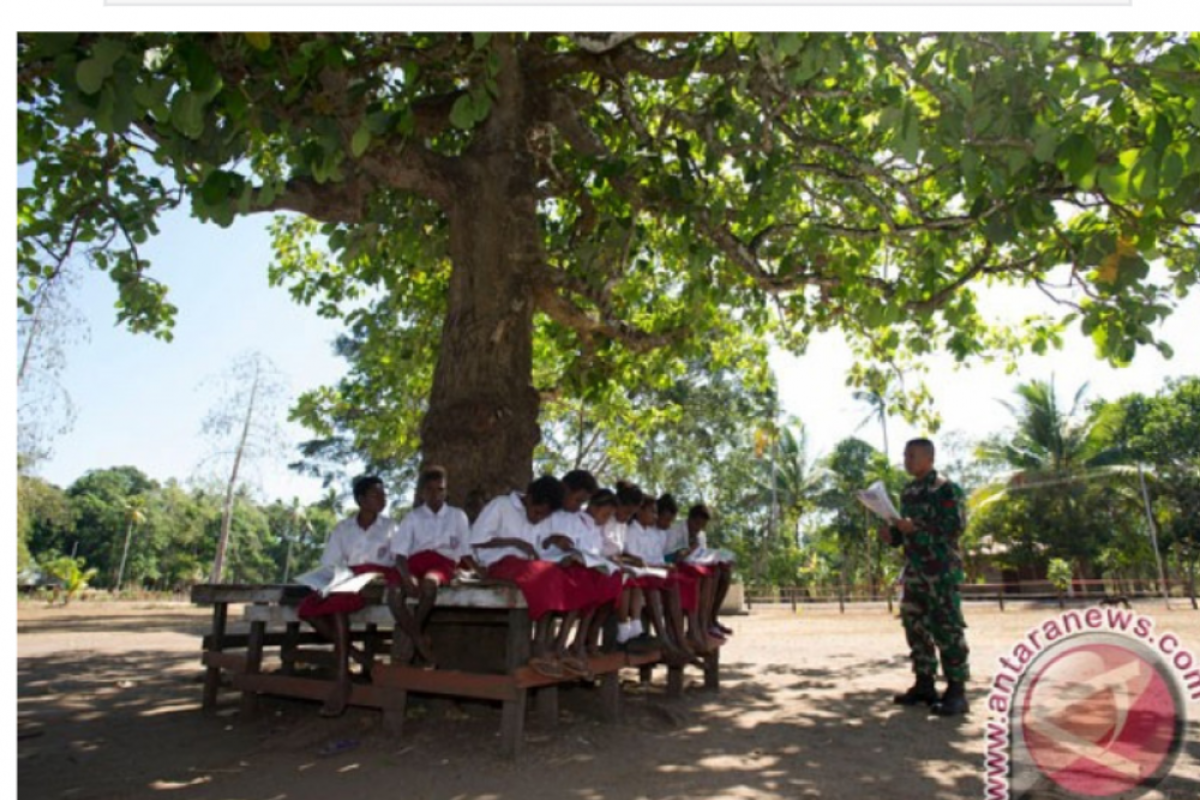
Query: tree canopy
{"points": [[552, 207]]}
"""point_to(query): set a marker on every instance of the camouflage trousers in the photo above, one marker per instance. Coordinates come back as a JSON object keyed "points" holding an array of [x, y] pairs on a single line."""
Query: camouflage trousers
{"points": [[933, 623]]}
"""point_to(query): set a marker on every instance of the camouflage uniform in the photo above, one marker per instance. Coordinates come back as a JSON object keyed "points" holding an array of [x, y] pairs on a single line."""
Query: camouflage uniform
{"points": [[931, 609]]}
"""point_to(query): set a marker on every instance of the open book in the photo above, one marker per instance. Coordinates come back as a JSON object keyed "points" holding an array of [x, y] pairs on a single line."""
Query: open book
{"points": [[704, 555], [335, 580], [590, 560], [644, 572], [875, 497]]}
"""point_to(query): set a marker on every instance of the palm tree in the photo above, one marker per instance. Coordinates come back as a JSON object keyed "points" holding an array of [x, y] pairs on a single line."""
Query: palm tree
{"points": [[1053, 452], [790, 486], [134, 516], [297, 523], [878, 406], [1049, 443]]}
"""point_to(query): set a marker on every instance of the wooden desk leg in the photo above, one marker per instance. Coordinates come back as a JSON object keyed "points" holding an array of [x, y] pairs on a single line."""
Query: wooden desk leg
{"points": [[674, 680], [254, 655], [610, 696], [512, 724], [369, 648], [212, 675], [712, 670], [287, 653], [546, 701], [395, 707]]}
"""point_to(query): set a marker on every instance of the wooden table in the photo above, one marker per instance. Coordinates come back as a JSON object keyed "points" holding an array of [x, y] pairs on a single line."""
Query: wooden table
{"points": [[481, 634]]}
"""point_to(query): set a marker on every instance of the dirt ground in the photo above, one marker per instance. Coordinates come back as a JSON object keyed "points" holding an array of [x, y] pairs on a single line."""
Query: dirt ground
{"points": [[108, 707]]}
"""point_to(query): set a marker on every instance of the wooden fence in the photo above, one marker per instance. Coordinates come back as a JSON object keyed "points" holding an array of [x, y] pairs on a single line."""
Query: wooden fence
{"points": [[1081, 592]]}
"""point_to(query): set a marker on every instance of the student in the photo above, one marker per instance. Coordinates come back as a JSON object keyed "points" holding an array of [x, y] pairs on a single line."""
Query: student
{"points": [[578, 535], [644, 547], [629, 500], [427, 545], [362, 543], [505, 538], [675, 538], [704, 570]]}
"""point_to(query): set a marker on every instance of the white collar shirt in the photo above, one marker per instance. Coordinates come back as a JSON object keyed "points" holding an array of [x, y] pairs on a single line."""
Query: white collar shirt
{"points": [[504, 517], [645, 543], [351, 546], [446, 532]]}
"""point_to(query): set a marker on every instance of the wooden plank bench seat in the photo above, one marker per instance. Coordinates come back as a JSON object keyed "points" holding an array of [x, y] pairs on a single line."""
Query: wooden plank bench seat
{"points": [[482, 637]]}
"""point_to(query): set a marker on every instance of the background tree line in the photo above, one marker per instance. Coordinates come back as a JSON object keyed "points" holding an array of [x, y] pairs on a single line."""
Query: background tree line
{"points": [[1062, 483]]}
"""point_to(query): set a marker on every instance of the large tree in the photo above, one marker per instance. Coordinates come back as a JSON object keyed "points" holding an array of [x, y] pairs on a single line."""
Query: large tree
{"points": [[627, 192]]}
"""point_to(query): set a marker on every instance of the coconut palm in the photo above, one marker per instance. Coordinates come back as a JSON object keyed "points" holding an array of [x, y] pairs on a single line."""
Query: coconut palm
{"points": [[878, 406], [788, 484], [1053, 453], [134, 516]]}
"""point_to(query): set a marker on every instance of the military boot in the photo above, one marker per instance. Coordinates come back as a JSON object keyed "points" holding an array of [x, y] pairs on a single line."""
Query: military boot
{"points": [[953, 702], [923, 691]]}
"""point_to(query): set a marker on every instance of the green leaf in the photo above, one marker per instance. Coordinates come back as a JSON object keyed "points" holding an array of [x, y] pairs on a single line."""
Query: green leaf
{"points": [[259, 41], [1077, 156], [1044, 143], [187, 114], [462, 113], [481, 40], [361, 141], [90, 75]]}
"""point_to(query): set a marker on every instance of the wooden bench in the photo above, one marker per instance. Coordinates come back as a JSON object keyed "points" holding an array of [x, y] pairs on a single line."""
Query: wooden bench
{"points": [[481, 634]]}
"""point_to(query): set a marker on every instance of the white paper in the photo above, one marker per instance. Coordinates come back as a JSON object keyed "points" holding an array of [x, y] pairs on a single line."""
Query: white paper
{"points": [[590, 560], [875, 497], [644, 572], [335, 580], [704, 555]]}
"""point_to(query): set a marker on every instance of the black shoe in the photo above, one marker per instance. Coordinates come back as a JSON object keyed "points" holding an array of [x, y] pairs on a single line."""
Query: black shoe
{"points": [[923, 691], [953, 702]]}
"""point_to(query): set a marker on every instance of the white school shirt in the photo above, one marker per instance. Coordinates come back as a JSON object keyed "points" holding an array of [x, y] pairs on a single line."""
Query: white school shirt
{"points": [[613, 538], [446, 532], [645, 543], [588, 535], [351, 546], [565, 523], [676, 538], [504, 517]]}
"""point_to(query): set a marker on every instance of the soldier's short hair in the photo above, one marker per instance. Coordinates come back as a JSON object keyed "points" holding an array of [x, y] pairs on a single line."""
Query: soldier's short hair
{"points": [[925, 444]]}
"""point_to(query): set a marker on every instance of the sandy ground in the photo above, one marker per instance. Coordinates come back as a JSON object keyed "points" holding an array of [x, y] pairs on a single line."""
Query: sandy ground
{"points": [[108, 707]]}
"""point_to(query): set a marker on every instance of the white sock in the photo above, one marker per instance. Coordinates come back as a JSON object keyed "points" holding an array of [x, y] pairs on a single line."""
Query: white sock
{"points": [[635, 628], [623, 632]]}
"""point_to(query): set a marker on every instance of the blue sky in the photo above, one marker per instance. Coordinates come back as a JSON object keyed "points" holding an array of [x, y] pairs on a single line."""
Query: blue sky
{"points": [[141, 401]]}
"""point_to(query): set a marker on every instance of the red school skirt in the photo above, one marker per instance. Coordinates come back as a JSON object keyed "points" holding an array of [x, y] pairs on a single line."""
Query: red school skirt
{"points": [[544, 584], [593, 587], [314, 605], [431, 562], [689, 588]]}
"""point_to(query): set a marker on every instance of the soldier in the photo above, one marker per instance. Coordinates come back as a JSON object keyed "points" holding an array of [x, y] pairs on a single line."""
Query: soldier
{"points": [[933, 519]]}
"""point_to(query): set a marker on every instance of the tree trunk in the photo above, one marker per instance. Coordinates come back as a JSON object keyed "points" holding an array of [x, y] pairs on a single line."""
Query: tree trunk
{"points": [[482, 422], [227, 511]]}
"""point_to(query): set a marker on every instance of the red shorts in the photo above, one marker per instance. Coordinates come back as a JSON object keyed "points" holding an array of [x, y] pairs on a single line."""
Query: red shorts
{"points": [[314, 605], [544, 584], [593, 588], [648, 582], [431, 562], [689, 589]]}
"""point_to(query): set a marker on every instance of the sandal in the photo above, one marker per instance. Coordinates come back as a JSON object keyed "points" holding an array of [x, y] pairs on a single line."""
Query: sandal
{"points": [[546, 667], [577, 667]]}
